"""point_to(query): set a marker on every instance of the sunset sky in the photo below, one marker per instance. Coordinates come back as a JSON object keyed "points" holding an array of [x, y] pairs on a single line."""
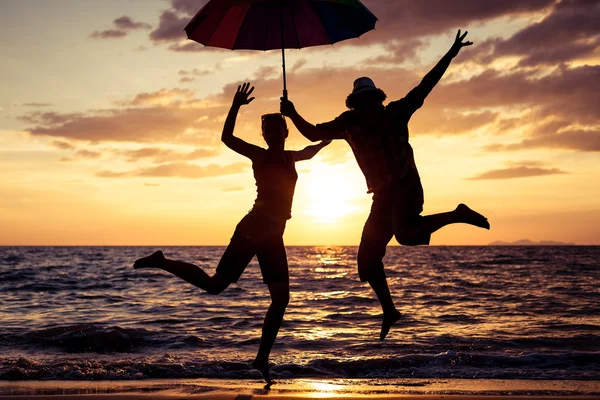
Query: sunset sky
{"points": [[110, 122]]}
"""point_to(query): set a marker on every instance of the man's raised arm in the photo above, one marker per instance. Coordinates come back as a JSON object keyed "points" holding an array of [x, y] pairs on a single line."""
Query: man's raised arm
{"points": [[419, 93], [307, 129]]}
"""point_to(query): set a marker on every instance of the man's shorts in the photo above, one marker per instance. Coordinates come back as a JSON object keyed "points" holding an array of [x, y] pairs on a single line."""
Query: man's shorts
{"points": [[394, 212], [260, 235]]}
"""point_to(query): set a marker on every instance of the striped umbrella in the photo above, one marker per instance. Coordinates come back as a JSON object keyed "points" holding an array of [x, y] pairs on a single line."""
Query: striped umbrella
{"points": [[278, 24]]}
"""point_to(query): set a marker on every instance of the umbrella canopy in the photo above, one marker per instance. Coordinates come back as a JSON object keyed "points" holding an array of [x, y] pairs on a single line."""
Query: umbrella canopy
{"points": [[278, 24]]}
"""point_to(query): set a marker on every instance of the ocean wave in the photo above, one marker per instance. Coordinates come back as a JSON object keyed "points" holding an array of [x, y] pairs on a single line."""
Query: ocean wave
{"points": [[85, 338], [582, 366], [107, 339]]}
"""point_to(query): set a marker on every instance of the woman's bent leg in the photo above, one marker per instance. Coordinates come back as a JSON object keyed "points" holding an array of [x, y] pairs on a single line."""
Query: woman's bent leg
{"points": [[188, 272]]}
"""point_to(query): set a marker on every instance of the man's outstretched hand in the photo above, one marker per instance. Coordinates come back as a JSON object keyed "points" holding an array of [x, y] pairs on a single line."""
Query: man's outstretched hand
{"points": [[287, 108], [459, 44]]}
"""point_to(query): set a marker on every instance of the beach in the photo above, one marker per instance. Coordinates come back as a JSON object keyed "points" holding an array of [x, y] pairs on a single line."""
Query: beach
{"points": [[223, 389]]}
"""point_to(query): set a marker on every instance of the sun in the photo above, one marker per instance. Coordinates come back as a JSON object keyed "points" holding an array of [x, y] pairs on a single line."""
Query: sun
{"points": [[330, 192]]}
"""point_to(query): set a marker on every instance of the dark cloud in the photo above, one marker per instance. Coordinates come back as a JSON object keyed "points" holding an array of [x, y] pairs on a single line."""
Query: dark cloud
{"points": [[170, 28], [173, 21], [571, 139], [451, 122], [267, 72], [408, 19], [173, 116], [126, 23], [399, 51], [178, 170], [189, 47], [108, 34], [197, 72], [298, 64], [191, 75], [522, 171], [570, 31], [558, 110], [520, 100], [415, 18], [188, 7], [122, 26]]}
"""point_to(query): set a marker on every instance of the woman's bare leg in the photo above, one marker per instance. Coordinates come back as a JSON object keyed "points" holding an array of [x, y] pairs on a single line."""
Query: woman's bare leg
{"points": [[188, 272], [280, 297]]}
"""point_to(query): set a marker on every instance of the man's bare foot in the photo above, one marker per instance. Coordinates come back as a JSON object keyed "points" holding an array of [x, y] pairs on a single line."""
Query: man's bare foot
{"points": [[389, 319], [155, 260], [263, 367], [466, 215]]}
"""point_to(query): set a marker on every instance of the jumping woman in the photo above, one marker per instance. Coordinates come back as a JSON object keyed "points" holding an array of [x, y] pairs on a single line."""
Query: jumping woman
{"points": [[260, 232]]}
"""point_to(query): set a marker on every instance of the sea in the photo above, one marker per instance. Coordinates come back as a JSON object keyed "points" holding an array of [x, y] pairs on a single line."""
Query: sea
{"points": [[489, 312]]}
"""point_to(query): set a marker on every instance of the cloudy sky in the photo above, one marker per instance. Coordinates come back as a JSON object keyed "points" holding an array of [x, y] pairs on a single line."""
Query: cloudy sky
{"points": [[110, 122]]}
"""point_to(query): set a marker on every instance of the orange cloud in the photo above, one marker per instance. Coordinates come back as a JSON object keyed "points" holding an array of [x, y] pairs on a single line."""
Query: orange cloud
{"points": [[165, 123], [517, 172], [159, 155], [178, 170], [563, 102]]}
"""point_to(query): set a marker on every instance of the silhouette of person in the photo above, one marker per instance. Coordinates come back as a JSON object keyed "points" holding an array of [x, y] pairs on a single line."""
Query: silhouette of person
{"points": [[260, 232], [378, 136]]}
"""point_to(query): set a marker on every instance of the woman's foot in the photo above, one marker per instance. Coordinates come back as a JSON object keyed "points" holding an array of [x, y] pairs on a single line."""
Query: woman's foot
{"points": [[389, 319], [152, 261], [263, 367], [466, 215]]}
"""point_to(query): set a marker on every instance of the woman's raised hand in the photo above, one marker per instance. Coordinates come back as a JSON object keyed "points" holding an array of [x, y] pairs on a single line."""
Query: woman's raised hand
{"points": [[242, 95]]}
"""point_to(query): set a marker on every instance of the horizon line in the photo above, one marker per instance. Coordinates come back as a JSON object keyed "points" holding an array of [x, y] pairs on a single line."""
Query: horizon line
{"points": [[300, 245]]}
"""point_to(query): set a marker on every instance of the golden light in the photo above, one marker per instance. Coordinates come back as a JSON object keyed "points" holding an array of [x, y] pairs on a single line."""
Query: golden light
{"points": [[324, 389], [330, 192]]}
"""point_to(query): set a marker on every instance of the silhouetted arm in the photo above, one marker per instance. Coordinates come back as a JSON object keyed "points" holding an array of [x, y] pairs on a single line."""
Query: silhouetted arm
{"points": [[234, 143], [312, 132], [415, 98], [309, 151]]}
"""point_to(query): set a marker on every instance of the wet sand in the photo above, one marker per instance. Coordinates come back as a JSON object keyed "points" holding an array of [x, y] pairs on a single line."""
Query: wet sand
{"points": [[222, 389]]}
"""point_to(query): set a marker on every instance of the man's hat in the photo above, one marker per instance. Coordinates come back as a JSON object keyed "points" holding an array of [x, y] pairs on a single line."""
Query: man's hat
{"points": [[363, 84]]}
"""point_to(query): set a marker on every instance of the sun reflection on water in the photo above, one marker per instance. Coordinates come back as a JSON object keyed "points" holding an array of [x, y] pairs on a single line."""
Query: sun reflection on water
{"points": [[324, 389]]}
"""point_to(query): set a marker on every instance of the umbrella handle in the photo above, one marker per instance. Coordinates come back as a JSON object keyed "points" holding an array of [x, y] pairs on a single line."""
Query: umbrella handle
{"points": [[285, 92]]}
